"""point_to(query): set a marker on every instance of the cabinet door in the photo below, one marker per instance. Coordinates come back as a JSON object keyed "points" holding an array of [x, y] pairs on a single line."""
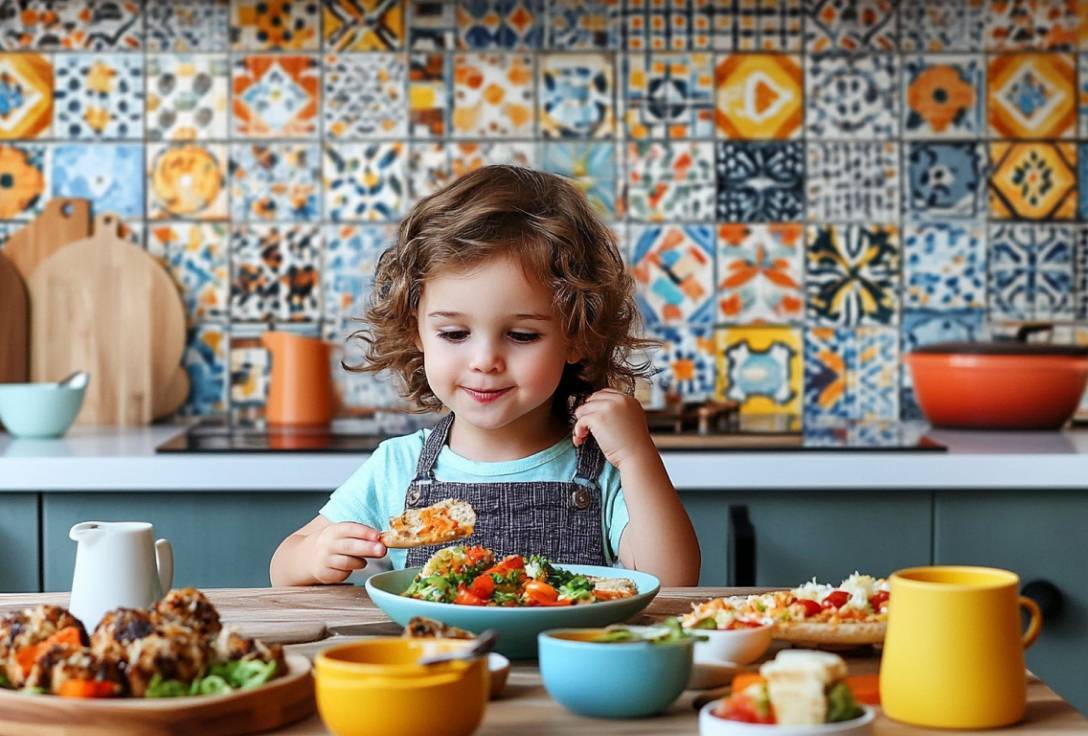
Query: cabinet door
{"points": [[219, 539], [826, 534], [1038, 535], [19, 571]]}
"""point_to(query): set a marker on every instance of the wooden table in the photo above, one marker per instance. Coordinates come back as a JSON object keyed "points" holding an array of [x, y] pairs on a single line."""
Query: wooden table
{"points": [[309, 619]]}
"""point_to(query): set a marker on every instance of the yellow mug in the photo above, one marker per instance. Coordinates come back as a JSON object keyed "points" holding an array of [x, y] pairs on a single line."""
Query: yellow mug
{"points": [[953, 653]]}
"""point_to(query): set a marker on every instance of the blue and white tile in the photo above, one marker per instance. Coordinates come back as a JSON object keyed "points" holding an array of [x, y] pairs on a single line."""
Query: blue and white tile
{"points": [[1031, 271], [110, 175], [686, 363], [852, 96], [946, 179], [945, 266]]}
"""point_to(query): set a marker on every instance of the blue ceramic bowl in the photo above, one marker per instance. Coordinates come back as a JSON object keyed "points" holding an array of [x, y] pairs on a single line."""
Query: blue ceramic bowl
{"points": [[615, 680], [517, 627], [39, 409]]}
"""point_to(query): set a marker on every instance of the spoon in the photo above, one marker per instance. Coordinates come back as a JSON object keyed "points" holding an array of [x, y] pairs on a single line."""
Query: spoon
{"points": [[481, 645], [77, 379]]}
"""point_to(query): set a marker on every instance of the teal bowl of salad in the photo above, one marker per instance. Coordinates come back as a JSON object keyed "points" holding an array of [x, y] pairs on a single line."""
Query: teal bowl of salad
{"points": [[526, 596]]}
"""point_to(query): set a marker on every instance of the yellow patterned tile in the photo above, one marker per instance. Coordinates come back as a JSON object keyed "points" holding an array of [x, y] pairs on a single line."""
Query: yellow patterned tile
{"points": [[759, 96], [26, 95], [1033, 181], [1032, 95], [761, 367]]}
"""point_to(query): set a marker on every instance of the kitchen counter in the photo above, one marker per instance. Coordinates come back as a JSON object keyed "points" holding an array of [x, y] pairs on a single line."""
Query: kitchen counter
{"points": [[120, 459], [318, 617]]}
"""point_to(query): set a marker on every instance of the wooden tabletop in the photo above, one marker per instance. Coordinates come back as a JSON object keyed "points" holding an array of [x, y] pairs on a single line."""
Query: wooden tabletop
{"points": [[309, 619]]}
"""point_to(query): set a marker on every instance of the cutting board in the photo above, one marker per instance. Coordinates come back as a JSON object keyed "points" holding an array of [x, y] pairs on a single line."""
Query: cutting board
{"points": [[282, 701], [103, 305], [14, 319], [61, 221]]}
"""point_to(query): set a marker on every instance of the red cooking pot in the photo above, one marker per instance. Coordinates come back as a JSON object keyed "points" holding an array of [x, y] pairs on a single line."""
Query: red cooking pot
{"points": [[999, 385]]}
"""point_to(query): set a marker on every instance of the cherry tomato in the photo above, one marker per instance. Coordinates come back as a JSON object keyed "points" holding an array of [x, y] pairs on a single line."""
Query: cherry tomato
{"points": [[811, 607], [740, 707], [836, 599], [483, 586], [540, 593], [466, 597], [879, 600]]}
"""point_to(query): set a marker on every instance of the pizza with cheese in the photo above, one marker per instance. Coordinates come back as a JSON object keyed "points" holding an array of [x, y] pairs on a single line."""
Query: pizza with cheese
{"points": [[851, 614], [445, 521]]}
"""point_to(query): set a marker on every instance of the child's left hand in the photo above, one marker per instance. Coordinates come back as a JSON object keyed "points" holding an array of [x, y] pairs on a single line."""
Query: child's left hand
{"points": [[617, 422]]}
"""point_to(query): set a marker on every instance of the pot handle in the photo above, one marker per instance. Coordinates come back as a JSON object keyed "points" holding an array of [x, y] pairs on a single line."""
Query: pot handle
{"points": [[1030, 328]]}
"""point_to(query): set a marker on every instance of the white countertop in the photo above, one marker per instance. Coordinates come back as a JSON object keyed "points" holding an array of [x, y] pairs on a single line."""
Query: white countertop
{"points": [[124, 459]]}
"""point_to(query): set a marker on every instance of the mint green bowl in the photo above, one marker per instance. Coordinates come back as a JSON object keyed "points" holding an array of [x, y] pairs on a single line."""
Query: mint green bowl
{"points": [[39, 409], [517, 627]]}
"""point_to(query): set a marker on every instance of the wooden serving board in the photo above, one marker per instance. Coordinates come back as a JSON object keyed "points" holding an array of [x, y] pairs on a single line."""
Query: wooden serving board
{"points": [[14, 324], [103, 305], [62, 221], [284, 700]]}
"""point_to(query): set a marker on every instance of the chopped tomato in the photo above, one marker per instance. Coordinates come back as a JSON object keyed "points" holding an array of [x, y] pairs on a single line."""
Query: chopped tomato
{"points": [[88, 689], [483, 586], [539, 593], [878, 600], [739, 707], [865, 688], [466, 597], [836, 599], [811, 607], [68, 637], [742, 680], [474, 555]]}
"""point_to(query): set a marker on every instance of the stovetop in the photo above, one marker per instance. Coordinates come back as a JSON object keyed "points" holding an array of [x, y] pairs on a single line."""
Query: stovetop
{"points": [[769, 433]]}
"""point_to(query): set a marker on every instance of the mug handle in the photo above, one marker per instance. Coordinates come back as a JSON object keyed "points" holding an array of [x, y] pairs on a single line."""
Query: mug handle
{"points": [[1035, 625]]}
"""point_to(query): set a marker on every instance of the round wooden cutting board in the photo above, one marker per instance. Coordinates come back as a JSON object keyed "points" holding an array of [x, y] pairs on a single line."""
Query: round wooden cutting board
{"points": [[105, 306], [284, 700], [14, 321]]}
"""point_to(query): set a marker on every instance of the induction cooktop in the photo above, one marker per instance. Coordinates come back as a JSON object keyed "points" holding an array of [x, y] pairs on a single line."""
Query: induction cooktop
{"points": [[752, 434]]}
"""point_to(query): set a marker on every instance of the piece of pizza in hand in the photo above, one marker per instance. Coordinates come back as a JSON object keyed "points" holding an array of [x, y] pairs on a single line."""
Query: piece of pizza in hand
{"points": [[445, 521]]}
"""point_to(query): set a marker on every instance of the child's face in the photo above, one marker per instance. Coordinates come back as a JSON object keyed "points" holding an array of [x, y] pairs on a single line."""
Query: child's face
{"points": [[492, 348]]}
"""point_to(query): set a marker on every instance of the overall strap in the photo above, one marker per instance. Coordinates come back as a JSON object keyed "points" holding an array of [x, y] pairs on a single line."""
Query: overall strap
{"points": [[436, 440], [590, 463]]}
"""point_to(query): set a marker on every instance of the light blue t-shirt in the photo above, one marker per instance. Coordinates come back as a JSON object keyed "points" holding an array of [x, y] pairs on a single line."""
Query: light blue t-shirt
{"points": [[376, 491]]}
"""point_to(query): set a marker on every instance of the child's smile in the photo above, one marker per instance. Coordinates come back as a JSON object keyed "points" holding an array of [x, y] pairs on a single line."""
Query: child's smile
{"points": [[494, 354]]}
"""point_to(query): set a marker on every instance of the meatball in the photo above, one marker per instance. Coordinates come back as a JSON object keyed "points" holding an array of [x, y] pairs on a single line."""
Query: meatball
{"points": [[189, 608], [230, 645], [173, 652], [118, 629], [31, 626], [59, 664]]}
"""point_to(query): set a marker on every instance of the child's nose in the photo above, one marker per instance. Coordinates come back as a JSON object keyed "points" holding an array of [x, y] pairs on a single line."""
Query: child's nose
{"points": [[486, 359]]}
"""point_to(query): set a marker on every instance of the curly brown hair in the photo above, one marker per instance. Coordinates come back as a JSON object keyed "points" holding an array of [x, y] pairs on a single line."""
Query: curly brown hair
{"points": [[545, 222]]}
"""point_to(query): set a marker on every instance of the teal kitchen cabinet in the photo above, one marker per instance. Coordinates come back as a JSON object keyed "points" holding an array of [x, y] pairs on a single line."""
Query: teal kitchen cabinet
{"points": [[826, 534], [1040, 535], [219, 539], [19, 550]]}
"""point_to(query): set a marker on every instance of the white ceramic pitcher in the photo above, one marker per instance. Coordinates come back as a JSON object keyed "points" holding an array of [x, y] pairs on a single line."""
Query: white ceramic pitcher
{"points": [[118, 563]]}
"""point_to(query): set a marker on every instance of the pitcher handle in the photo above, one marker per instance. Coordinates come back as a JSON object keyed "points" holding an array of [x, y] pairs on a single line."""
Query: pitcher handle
{"points": [[1035, 625], [164, 561]]}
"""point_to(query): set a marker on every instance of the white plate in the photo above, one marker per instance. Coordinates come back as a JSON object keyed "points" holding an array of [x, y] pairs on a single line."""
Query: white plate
{"points": [[712, 725]]}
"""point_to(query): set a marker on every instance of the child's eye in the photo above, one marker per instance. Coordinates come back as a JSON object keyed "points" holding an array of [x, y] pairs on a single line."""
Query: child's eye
{"points": [[524, 336], [453, 335]]}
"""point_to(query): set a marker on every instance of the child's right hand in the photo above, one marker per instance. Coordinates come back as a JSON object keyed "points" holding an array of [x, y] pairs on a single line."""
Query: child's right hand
{"points": [[341, 549]]}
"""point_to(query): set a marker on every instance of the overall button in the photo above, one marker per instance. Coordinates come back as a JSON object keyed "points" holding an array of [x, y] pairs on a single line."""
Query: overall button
{"points": [[580, 498], [413, 497]]}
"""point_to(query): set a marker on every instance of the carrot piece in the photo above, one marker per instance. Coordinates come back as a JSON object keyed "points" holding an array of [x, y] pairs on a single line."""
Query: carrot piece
{"points": [[865, 688], [68, 637], [742, 680], [87, 689]]}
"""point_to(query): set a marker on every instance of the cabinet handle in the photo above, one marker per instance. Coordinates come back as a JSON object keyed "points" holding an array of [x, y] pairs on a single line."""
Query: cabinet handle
{"points": [[1046, 594], [742, 548]]}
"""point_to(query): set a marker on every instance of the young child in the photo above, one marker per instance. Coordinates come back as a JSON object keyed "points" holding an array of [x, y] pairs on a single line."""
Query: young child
{"points": [[506, 302]]}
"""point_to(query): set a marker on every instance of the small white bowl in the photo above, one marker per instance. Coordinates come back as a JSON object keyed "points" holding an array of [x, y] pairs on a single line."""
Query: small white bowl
{"points": [[738, 646], [499, 667], [712, 725]]}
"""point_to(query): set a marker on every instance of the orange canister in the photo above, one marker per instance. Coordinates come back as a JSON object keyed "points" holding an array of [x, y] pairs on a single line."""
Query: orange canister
{"points": [[300, 390]]}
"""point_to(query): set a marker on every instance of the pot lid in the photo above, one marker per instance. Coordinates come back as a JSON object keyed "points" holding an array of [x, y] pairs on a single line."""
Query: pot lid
{"points": [[1003, 347]]}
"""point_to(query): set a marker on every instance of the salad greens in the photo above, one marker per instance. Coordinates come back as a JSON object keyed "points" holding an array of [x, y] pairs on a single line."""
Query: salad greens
{"points": [[224, 677], [670, 631], [841, 705]]}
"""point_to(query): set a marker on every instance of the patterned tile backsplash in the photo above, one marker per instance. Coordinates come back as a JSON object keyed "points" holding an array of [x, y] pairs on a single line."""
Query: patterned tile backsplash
{"points": [[806, 190]]}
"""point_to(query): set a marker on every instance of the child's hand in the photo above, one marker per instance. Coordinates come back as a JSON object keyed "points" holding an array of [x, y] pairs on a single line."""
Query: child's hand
{"points": [[617, 422], [340, 549]]}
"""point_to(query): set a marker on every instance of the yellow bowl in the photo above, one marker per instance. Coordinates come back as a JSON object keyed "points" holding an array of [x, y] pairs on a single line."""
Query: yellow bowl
{"points": [[375, 686]]}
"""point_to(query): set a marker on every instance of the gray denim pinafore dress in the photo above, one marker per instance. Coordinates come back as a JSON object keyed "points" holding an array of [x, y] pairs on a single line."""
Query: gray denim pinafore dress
{"points": [[562, 520]]}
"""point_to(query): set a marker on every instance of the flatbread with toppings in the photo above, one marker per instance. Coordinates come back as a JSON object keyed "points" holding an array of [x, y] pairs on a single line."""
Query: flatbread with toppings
{"points": [[854, 613], [445, 521]]}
